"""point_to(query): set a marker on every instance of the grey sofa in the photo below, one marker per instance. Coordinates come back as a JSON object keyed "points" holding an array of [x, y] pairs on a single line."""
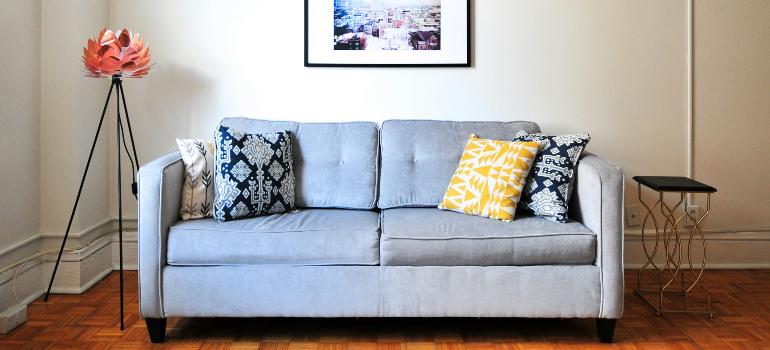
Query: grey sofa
{"points": [[370, 242]]}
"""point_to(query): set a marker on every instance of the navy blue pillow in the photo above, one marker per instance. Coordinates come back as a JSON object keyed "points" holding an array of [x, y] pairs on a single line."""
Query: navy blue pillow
{"points": [[254, 174], [547, 190]]}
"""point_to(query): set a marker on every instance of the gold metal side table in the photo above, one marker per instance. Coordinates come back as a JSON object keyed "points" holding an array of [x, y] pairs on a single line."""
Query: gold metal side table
{"points": [[674, 266]]}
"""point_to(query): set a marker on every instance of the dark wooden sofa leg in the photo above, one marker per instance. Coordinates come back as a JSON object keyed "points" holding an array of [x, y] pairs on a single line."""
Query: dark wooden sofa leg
{"points": [[157, 329], [606, 329]]}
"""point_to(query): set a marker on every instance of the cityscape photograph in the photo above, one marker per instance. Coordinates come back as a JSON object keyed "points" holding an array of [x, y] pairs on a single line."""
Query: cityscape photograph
{"points": [[387, 24]]}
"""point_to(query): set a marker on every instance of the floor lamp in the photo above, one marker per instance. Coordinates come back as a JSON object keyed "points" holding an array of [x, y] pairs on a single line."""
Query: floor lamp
{"points": [[112, 55]]}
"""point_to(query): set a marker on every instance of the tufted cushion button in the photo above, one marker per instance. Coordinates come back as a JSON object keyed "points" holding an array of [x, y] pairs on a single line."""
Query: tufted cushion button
{"points": [[342, 161], [415, 160]]}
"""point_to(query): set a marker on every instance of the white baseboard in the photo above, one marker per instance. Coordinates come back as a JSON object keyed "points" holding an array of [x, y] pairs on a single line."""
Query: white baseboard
{"points": [[724, 250], [78, 270], [53, 240], [28, 282], [130, 251]]}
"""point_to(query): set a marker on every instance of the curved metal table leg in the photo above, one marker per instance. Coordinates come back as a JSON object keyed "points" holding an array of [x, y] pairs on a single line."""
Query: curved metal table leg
{"points": [[674, 260]]}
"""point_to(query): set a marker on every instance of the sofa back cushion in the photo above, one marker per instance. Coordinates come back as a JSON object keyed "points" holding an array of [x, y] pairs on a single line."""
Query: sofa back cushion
{"points": [[420, 156], [335, 164]]}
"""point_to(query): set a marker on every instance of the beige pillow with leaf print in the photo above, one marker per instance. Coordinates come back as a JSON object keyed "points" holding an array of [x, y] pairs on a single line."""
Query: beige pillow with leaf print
{"points": [[198, 189]]}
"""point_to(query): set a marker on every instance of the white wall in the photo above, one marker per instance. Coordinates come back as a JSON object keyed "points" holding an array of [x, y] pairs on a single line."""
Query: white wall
{"points": [[732, 109], [20, 120], [71, 108], [617, 70]]}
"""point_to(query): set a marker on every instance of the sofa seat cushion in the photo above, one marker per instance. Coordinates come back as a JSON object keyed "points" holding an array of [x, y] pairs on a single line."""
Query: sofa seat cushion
{"points": [[433, 237], [309, 237]]}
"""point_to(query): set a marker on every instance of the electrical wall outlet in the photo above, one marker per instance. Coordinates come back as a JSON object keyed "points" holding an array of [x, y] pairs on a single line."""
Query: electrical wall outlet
{"points": [[632, 216], [694, 215]]}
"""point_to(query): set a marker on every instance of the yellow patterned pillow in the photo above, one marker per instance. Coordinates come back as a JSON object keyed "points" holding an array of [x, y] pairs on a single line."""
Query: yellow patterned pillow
{"points": [[490, 177]]}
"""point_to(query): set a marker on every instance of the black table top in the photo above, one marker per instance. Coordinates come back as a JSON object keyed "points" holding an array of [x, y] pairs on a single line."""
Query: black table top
{"points": [[673, 184]]}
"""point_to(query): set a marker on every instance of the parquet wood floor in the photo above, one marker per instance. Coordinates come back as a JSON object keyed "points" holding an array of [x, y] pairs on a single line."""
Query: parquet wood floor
{"points": [[740, 299]]}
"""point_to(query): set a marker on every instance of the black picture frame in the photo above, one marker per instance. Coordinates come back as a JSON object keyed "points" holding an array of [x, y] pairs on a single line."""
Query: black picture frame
{"points": [[463, 58]]}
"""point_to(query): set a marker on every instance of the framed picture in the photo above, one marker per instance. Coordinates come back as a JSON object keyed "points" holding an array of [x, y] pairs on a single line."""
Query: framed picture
{"points": [[387, 33]]}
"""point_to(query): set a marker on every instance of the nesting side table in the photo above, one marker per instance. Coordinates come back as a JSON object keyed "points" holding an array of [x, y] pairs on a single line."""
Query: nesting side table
{"points": [[668, 236]]}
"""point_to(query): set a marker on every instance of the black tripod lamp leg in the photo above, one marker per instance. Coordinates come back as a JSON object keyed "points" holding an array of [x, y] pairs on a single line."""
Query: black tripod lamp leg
{"points": [[131, 160], [134, 188], [120, 213], [80, 190]]}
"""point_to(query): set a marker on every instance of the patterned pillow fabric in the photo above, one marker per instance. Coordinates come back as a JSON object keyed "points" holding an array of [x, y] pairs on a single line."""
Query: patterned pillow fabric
{"points": [[198, 190], [489, 179], [254, 174], [549, 185]]}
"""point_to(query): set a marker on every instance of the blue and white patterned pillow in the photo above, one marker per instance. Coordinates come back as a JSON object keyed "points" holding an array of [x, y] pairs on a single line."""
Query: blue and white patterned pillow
{"points": [[254, 174], [547, 190]]}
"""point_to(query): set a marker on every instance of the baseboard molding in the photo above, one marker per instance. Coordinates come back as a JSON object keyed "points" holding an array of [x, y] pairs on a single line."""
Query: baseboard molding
{"points": [[724, 250], [78, 270], [53, 240], [130, 251], [29, 282], [19, 251]]}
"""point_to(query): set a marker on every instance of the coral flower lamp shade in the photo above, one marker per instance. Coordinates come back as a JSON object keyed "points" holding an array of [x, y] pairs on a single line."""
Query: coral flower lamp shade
{"points": [[121, 53]]}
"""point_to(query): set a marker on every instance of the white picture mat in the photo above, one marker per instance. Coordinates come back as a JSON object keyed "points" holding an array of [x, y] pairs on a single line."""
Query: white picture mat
{"points": [[454, 39]]}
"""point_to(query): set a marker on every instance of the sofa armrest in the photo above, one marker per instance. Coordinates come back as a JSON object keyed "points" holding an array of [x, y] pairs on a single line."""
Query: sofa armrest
{"points": [[597, 202], [160, 192]]}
